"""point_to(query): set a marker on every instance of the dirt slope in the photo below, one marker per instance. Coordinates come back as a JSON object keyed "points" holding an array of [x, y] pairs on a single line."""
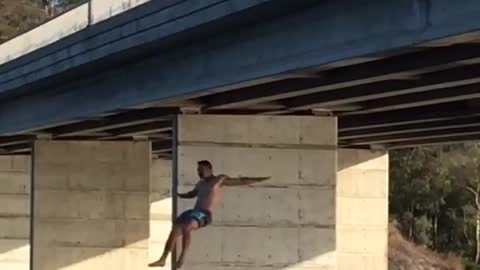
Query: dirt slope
{"points": [[404, 255]]}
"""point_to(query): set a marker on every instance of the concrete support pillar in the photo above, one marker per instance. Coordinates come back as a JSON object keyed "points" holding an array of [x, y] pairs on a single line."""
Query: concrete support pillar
{"points": [[362, 210], [14, 212], [91, 205], [285, 223], [160, 207]]}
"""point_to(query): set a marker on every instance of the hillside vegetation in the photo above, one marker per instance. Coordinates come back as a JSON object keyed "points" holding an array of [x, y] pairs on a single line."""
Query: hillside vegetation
{"points": [[18, 16]]}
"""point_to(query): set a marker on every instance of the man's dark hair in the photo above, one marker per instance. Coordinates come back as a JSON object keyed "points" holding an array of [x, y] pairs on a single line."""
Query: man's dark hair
{"points": [[206, 163]]}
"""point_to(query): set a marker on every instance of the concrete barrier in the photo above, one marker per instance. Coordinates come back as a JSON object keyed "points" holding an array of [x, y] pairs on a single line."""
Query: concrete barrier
{"points": [[104, 9], [47, 33], [64, 25]]}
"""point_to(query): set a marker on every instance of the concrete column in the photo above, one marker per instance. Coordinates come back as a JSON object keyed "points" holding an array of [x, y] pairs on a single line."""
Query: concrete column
{"points": [[91, 205], [285, 223], [160, 207], [14, 212], [362, 210]]}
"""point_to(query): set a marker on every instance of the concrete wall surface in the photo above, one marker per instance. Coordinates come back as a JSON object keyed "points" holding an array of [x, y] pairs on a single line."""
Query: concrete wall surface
{"points": [[91, 205], [362, 210], [14, 212], [285, 223]]}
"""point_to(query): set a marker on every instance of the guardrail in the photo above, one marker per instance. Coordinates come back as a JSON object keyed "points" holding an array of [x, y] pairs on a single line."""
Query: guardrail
{"points": [[65, 24]]}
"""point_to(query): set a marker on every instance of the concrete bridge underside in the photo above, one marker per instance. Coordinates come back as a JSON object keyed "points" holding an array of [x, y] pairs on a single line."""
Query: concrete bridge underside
{"points": [[301, 91]]}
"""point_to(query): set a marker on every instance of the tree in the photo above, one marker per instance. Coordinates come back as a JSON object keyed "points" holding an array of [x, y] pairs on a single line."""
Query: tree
{"points": [[419, 185], [435, 196], [465, 166]]}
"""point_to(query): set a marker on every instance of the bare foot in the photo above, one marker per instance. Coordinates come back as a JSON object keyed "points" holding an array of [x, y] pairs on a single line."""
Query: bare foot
{"points": [[159, 263]]}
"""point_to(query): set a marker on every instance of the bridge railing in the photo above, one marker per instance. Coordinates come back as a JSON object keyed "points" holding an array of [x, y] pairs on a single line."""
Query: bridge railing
{"points": [[70, 22]]}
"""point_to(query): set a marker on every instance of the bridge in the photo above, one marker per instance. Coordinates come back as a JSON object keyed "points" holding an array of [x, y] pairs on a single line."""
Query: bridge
{"points": [[314, 92]]}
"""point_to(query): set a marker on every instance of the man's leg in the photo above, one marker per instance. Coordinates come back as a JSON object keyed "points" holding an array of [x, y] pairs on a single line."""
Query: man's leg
{"points": [[169, 246], [186, 232]]}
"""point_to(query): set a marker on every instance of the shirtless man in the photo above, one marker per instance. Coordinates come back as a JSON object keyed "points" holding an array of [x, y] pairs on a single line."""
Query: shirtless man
{"points": [[209, 191]]}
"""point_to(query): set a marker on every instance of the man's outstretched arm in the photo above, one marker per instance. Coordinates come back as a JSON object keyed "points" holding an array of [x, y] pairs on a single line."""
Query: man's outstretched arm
{"points": [[241, 181], [189, 195]]}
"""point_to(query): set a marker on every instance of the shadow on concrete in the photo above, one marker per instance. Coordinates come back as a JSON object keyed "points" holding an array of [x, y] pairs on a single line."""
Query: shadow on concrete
{"points": [[14, 253], [8, 245], [112, 242], [112, 228]]}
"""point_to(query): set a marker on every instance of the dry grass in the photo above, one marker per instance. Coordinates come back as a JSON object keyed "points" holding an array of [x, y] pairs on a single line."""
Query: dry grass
{"points": [[404, 255], [17, 16]]}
